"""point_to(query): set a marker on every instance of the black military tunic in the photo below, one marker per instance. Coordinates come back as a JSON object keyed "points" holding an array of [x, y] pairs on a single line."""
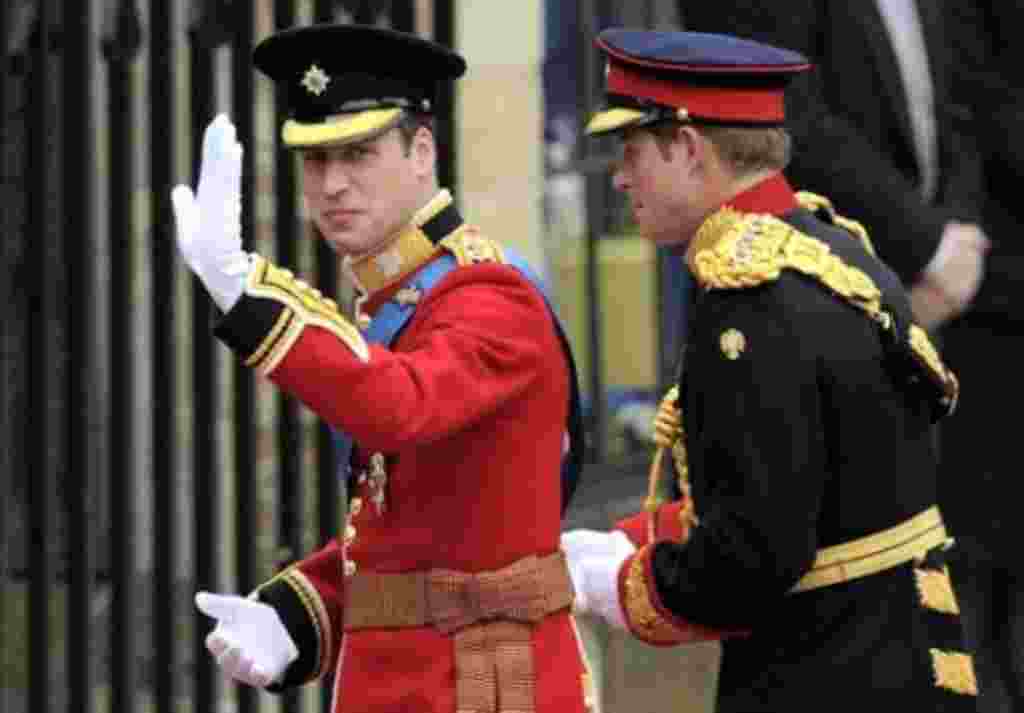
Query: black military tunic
{"points": [[807, 400]]}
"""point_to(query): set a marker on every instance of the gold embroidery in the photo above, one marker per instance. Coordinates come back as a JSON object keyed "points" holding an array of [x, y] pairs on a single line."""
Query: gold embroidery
{"points": [[646, 622], [813, 202], [669, 434], [733, 250], [926, 354], [954, 671], [305, 305], [469, 247], [733, 343], [271, 339], [935, 590], [317, 612]]}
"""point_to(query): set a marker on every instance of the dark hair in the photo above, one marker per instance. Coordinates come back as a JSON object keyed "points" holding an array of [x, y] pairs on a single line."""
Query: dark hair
{"points": [[413, 121]]}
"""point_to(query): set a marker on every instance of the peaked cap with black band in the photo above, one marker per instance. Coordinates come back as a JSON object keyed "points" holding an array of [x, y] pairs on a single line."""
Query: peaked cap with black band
{"points": [[345, 83], [696, 77]]}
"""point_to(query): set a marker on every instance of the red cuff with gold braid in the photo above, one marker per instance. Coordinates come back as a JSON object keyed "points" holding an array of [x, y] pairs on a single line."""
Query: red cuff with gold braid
{"points": [[647, 618], [672, 522]]}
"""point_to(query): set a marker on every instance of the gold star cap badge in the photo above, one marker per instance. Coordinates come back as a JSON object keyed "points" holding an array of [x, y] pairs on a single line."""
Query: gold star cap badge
{"points": [[315, 80], [733, 343]]}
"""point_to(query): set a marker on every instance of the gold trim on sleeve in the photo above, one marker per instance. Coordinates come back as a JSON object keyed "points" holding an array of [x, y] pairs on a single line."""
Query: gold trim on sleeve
{"points": [[954, 671], [317, 613], [305, 306], [638, 605]]}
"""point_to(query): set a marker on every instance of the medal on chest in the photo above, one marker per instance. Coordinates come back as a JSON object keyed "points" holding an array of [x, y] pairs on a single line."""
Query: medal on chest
{"points": [[373, 480]]}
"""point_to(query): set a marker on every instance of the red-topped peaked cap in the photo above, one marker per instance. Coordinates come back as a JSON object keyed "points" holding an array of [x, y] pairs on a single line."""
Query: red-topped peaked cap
{"points": [[692, 76]]}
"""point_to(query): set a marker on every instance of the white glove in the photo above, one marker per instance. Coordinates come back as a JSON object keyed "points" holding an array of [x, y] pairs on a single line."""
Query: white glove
{"points": [[209, 223], [594, 559], [250, 642]]}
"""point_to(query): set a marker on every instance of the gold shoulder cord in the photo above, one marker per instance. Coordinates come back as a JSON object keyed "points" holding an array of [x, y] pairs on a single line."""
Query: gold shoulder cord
{"points": [[668, 434]]}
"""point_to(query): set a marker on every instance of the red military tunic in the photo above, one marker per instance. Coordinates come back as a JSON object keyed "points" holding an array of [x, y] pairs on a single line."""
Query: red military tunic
{"points": [[468, 407]]}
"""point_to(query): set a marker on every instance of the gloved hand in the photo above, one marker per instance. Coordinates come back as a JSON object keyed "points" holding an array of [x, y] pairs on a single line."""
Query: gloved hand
{"points": [[250, 642], [209, 222], [594, 559]]}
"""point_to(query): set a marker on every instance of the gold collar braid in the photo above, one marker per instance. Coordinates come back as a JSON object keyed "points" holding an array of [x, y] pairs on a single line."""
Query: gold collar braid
{"points": [[401, 255]]}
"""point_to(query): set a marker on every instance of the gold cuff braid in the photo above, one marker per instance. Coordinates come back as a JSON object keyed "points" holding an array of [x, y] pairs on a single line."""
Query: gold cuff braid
{"points": [[304, 306]]}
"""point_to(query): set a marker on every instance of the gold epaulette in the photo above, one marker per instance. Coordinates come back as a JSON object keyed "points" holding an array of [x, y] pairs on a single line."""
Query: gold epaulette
{"points": [[304, 306], [470, 247], [735, 250], [813, 202], [928, 357]]}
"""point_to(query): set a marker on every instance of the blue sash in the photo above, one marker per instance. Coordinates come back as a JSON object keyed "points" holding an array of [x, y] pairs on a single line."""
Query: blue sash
{"points": [[393, 316]]}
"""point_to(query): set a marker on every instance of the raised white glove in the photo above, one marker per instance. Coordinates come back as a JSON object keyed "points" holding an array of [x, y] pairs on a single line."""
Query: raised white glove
{"points": [[250, 642], [209, 222], [594, 559]]}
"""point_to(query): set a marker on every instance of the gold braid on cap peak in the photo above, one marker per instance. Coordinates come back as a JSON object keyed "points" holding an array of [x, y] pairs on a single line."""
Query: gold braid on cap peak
{"points": [[669, 434]]}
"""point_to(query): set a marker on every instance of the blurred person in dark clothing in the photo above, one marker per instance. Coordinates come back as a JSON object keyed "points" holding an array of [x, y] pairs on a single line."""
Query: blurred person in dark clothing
{"points": [[978, 480], [875, 129]]}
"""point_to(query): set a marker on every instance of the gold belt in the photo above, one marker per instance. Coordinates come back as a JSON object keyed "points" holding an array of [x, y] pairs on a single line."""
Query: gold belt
{"points": [[490, 615], [875, 553]]}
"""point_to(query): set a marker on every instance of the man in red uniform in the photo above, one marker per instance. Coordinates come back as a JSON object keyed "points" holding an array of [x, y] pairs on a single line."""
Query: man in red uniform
{"points": [[447, 590], [809, 540]]}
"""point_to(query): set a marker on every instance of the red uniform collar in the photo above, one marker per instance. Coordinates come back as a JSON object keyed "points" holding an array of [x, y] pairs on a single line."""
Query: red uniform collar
{"points": [[773, 195]]}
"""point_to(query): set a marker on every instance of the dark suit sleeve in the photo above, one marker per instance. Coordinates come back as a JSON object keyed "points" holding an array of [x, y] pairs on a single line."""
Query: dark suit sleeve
{"points": [[831, 154], [757, 460]]}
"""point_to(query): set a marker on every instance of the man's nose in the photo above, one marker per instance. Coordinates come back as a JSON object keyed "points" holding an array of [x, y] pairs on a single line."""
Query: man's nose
{"points": [[336, 177]]}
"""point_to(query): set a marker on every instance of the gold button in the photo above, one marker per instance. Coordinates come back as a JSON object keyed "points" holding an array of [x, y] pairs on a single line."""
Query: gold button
{"points": [[350, 568], [356, 507], [350, 534]]}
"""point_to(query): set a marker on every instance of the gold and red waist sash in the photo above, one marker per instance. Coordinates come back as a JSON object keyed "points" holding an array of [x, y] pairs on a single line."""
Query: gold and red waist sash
{"points": [[490, 616]]}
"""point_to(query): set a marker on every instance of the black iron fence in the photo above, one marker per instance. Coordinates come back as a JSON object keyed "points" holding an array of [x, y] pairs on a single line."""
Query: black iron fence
{"points": [[104, 536], [139, 464]]}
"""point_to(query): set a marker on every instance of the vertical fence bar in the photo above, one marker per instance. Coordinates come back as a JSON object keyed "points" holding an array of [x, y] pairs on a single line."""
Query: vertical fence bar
{"points": [[330, 487], [161, 153], [80, 318], [37, 425], [121, 50], [444, 33], [8, 462], [289, 433], [595, 187], [205, 390], [245, 442]]}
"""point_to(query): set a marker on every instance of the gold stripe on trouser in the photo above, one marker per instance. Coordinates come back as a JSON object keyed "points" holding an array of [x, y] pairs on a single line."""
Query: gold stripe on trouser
{"points": [[875, 553], [494, 668]]}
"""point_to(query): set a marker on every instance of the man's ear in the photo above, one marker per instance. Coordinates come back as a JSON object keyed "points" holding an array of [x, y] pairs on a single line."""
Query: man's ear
{"points": [[424, 152], [692, 146]]}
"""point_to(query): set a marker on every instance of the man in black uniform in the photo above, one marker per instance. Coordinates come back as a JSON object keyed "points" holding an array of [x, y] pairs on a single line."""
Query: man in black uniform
{"points": [[808, 540]]}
